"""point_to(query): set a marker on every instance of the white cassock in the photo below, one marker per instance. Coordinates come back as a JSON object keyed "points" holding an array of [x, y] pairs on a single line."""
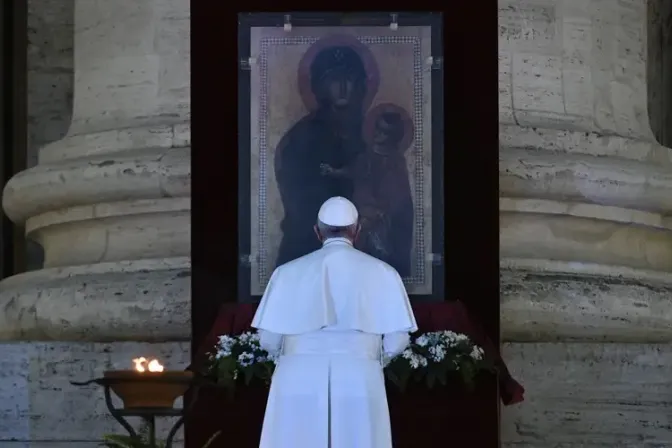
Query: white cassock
{"points": [[335, 315]]}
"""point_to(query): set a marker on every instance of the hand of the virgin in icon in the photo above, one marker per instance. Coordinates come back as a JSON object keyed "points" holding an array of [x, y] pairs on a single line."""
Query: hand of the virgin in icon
{"points": [[326, 169]]}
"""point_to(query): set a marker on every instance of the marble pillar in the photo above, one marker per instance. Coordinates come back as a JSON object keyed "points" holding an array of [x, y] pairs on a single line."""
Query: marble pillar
{"points": [[110, 205], [586, 232]]}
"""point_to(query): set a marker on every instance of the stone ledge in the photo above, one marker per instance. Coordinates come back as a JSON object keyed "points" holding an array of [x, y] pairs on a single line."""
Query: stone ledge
{"points": [[142, 301], [96, 144], [587, 270], [125, 237], [582, 239], [131, 175], [552, 305], [583, 141], [540, 174], [109, 210], [583, 210]]}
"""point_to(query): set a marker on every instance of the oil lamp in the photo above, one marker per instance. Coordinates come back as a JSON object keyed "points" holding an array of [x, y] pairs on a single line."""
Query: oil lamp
{"points": [[148, 391], [148, 385]]}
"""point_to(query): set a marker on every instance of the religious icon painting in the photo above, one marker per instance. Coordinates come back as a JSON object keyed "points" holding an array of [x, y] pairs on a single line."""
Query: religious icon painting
{"points": [[340, 111]]}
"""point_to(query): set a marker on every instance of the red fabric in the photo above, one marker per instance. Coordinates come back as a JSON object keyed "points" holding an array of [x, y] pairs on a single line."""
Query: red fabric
{"points": [[418, 415]]}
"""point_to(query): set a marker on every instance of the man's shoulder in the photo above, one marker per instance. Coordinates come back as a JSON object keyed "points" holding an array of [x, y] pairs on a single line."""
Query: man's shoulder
{"points": [[361, 261], [373, 262], [298, 263]]}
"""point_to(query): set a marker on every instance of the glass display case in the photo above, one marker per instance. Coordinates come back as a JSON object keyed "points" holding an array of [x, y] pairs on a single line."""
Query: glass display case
{"points": [[341, 105]]}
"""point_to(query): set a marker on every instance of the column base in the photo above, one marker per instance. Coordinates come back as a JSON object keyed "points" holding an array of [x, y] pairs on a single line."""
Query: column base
{"points": [[145, 300], [549, 301]]}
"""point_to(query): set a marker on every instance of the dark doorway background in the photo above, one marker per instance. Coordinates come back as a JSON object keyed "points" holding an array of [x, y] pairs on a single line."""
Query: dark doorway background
{"points": [[470, 70], [13, 123]]}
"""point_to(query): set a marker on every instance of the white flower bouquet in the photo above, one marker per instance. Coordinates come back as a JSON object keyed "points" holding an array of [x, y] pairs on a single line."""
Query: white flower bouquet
{"points": [[433, 357], [240, 356], [436, 356]]}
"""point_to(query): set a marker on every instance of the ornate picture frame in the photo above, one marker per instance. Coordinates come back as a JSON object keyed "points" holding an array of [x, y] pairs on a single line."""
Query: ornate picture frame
{"points": [[399, 191]]}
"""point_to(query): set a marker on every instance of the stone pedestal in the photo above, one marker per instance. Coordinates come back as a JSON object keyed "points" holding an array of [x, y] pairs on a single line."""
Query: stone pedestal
{"points": [[110, 204], [586, 234]]}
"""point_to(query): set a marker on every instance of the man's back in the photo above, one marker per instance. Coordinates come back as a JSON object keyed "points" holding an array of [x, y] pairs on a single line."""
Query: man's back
{"points": [[349, 274], [342, 262], [355, 290], [328, 389], [333, 316]]}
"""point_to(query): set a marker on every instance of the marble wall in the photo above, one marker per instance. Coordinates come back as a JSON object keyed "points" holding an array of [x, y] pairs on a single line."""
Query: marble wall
{"points": [[104, 265], [586, 235]]}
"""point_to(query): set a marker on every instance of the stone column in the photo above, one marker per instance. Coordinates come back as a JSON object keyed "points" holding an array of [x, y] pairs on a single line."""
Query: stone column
{"points": [[110, 204], [586, 234]]}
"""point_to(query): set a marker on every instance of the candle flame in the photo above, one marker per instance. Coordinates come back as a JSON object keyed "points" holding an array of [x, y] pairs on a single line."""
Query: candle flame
{"points": [[143, 364]]}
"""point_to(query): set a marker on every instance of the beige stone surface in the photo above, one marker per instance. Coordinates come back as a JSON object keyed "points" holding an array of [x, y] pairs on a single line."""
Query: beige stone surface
{"points": [[590, 395], [110, 201], [583, 181], [50, 74], [40, 408], [575, 65], [585, 205], [568, 306], [146, 300]]}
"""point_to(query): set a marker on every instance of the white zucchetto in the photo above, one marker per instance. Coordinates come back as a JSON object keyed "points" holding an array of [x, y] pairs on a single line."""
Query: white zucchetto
{"points": [[338, 212]]}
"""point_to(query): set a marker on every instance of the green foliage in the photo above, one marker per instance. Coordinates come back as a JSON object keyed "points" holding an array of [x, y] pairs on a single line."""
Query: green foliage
{"points": [[240, 358], [436, 358]]}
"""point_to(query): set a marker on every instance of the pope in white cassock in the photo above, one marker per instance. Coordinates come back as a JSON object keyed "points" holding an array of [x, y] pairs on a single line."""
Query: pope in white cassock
{"points": [[335, 316]]}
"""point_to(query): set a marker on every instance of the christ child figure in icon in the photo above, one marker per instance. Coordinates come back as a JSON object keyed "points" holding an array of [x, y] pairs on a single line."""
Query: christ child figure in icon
{"points": [[382, 191]]}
